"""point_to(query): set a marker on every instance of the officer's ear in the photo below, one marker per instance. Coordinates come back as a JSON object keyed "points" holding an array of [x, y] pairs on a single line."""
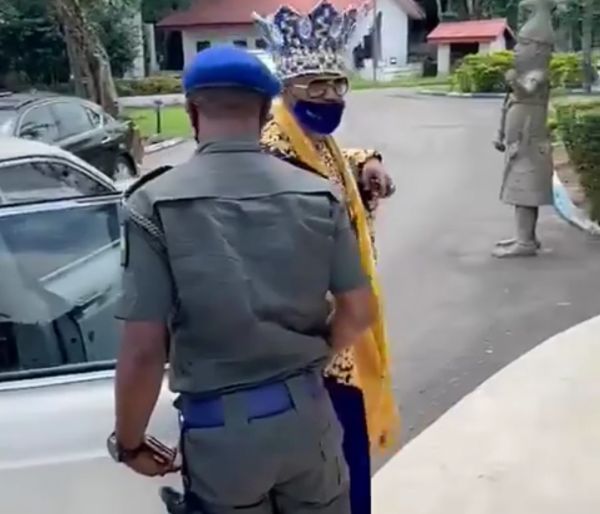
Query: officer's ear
{"points": [[192, 111], [265, 113]]}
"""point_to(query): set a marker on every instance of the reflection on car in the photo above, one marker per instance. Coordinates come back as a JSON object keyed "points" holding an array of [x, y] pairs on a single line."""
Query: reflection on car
{"points": [[60, 281]]}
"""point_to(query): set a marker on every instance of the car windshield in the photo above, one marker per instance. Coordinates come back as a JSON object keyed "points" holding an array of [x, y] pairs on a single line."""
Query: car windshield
{"points": [[59, 283], [7, 119]]}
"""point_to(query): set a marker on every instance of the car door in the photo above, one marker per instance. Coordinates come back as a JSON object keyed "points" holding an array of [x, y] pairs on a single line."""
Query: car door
{"points": [[112, 137], [34, 179], [59, 288], [78, 135]]}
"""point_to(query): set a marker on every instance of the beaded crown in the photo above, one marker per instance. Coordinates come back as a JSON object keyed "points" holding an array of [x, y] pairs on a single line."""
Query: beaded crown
{"points": [[310, 43]]}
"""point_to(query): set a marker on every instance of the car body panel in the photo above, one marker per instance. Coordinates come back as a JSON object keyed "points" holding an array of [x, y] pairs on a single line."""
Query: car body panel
{"points": [[55, 421], [53, 456]]}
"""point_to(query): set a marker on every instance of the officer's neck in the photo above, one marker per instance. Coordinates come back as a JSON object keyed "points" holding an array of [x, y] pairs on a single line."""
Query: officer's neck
{"points": [[239, 130]]}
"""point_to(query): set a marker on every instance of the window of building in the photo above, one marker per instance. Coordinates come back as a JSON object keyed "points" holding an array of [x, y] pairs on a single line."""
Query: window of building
{"points": [[202, 45], [261, 44], [241, 43]]}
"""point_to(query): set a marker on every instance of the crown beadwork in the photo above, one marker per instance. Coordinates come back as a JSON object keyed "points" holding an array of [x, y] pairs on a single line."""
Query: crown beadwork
{"points": [[308, 43]]}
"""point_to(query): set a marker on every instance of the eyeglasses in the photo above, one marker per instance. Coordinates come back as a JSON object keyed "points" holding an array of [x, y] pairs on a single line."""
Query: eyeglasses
{"points": [[318, 88]]}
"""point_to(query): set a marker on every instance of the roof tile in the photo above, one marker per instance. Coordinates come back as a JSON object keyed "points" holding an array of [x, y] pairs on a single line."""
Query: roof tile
{"points": [[469, 31], [237, 12]]}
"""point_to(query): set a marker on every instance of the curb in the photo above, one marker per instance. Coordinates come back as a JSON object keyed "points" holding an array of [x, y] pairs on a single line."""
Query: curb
{"points": [[149, 101], [163, 145], [453, 94], [567, 210]]}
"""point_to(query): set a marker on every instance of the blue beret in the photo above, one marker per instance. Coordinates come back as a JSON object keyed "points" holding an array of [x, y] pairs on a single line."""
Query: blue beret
{"points": [[229, 66]]}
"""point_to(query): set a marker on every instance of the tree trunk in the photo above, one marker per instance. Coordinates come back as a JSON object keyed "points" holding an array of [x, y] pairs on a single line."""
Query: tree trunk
{"points": [[89, 62], [587, 27]]}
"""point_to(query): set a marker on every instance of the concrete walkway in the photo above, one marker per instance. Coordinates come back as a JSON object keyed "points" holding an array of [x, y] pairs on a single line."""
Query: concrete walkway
{"points": [[527, 441], [150, 100]]}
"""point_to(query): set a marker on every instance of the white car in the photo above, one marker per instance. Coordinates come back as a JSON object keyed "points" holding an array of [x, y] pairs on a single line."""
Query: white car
{"points": [[60, 279]]}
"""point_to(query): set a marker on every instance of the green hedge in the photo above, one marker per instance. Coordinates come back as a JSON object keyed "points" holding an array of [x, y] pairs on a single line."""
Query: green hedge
{"points": [[579, 128], [484, 73], [156, 85]]}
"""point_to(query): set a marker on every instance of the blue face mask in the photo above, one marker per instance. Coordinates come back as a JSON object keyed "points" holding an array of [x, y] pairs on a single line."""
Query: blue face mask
{"points": [[321, 118]]}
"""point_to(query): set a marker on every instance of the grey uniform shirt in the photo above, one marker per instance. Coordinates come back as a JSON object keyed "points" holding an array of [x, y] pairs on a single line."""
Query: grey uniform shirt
{"points": [[236, 251]]}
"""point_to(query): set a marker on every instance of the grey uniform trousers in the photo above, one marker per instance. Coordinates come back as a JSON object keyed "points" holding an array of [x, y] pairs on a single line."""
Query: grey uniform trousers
{"points": [[290, 463]]}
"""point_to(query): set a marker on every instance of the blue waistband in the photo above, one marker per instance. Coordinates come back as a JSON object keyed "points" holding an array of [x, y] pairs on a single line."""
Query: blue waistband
{"points": [[260, 402]]}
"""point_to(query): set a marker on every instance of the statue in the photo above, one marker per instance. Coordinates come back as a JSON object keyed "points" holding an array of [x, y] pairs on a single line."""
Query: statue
{"points": [[524, 136]]}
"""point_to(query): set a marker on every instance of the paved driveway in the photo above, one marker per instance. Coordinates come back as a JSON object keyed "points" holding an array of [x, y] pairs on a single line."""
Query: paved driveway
{"points": [[455, 315]]}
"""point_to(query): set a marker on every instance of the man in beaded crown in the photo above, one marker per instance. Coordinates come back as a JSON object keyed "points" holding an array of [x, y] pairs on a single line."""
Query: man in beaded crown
{"points": [[312, 43], [309, 51]]}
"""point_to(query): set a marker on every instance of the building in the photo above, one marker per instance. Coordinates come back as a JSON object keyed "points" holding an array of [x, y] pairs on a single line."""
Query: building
{"points": [[456, 39], [208, 22]]}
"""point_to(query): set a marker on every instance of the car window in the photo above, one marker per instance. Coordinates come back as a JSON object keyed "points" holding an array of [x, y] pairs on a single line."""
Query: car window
{"points": [[39, 124], [7, 122], [95, 117], [30, 181], [59, 285], [72, 118]]}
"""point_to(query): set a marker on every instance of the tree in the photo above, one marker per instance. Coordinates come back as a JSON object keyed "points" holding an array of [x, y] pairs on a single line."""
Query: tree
{"points": [[114, 24], [32, 43], [88, 58], [586, 43], [32, 50], [155, 10]]}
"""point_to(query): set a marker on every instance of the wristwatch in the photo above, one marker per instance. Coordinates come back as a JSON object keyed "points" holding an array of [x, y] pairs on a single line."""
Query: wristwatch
{"points": [[120, 454]]}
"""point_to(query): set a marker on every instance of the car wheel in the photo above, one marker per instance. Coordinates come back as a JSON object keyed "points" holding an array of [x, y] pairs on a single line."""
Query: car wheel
{"points": [[124, 169]]}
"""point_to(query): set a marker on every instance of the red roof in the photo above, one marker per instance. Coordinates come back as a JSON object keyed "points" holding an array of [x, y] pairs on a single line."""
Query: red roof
{"points": [[475, 31], [238, 12]]}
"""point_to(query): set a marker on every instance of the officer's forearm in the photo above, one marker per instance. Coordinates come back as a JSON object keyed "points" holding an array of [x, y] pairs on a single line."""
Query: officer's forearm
{"points": [[140, 370], [353, 315]]}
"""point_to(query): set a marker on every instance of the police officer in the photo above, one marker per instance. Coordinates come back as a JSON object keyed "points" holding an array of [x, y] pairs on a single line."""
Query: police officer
{"points": [[228, 260]]}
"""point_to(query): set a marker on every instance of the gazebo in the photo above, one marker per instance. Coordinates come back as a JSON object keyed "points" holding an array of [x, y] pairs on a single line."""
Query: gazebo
{"points": [[456, 39]]}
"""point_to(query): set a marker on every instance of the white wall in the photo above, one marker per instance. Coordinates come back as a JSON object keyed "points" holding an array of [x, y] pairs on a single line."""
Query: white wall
{"points": [[138, 68], [216, 36], [443, 59], [497, 45], [394, 33]]}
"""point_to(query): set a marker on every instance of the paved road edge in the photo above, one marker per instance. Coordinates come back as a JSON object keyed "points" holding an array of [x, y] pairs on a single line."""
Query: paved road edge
{"points": [[163, 145], [456, 94], [525, 441]]}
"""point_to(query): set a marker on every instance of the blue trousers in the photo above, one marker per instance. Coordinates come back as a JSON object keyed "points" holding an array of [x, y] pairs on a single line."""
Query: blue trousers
{"points": [[349, 405]]}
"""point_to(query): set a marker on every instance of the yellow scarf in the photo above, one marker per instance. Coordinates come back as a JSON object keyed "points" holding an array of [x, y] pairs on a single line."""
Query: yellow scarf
{"points": [[371, 353]]}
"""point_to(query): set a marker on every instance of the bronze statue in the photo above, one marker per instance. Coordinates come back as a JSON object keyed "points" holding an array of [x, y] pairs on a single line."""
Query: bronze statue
{"points": [[523, 134]]}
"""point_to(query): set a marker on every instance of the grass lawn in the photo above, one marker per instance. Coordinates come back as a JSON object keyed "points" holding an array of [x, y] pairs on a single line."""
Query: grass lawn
{"points": [[174, 122]]}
